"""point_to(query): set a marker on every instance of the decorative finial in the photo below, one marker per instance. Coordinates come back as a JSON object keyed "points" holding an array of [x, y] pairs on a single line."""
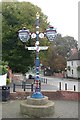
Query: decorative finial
{"points": [[37, 15]]}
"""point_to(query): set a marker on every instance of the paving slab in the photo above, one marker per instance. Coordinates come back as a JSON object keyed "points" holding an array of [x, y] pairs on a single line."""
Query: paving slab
{"points": [[62, 109]]}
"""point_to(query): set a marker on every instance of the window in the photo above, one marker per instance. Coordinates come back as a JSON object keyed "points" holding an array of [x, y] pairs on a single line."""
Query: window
{"points": [[59, 85], [72, 72], [72, 63], [74, 88], [65, 86]]}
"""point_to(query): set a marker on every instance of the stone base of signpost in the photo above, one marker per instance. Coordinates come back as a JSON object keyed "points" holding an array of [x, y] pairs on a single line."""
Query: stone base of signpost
{"points": [[37, 107]]}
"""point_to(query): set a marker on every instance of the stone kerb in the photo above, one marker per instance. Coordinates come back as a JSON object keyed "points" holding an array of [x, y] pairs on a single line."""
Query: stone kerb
{"points": [[37, 107], [32, 101]]}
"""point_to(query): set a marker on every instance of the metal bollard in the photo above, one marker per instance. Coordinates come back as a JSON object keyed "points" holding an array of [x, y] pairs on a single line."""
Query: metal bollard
{"points": [[40, 85], [59, 85], [34, 81], [46, 81], [32, 87], [14, 87], [24, 86]]}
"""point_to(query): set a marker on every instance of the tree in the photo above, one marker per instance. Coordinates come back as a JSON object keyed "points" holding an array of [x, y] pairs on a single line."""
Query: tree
{"points": [[54, 60], [56, 55], [3, 69], [15, 16]]}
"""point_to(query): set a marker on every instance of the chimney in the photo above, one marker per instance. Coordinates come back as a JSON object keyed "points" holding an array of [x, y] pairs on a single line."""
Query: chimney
{"points": [[73, 51]]}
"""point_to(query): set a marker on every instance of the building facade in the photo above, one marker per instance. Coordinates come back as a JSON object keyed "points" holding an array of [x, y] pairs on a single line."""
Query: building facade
{"points": [[73, 65]]}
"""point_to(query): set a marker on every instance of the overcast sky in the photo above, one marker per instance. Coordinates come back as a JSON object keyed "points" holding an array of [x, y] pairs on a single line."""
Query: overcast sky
{"points": [[62, 14]]}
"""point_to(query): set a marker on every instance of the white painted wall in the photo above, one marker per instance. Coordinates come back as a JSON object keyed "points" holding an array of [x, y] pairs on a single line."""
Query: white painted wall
{"points": [[79, 44], [75, 74], [78, 64], [70, 85]]}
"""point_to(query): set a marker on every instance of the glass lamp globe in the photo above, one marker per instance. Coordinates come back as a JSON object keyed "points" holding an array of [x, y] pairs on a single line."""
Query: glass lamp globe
{"points": [[24, 35], [51, 33]]}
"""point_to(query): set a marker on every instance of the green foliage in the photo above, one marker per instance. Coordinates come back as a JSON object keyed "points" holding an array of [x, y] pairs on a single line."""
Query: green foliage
{"points": [[57, 52], [54, 60], [64, 44], [16, 15], [55, 56], [7, 81], [3, 69]]}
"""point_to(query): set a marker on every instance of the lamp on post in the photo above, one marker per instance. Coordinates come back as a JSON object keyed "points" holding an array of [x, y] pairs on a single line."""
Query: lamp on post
{"points": [[51, 33], [24, 36]]}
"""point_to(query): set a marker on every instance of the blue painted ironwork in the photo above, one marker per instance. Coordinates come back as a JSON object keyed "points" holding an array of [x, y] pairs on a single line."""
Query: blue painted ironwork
{"points": [[37, 94], [24, 36]]}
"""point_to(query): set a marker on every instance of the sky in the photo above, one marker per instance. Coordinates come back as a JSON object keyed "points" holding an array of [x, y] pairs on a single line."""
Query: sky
{"points": [[62, 14]]}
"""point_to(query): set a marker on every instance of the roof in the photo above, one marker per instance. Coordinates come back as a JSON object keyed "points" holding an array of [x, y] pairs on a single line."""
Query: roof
{"points": [[75, 56]]}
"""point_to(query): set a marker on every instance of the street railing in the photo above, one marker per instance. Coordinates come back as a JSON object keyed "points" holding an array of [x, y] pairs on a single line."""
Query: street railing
{"points": [[24, 86]]}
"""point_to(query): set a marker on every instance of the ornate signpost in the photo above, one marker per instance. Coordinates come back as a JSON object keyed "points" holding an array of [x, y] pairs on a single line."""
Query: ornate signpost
{"points": [[24, 36]]}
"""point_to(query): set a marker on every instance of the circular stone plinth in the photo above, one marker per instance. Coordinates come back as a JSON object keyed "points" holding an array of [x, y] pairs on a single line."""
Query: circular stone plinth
{"points": [[37, 109], [33, 101]]}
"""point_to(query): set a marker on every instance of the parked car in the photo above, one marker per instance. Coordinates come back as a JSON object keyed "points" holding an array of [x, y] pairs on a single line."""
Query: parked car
{"points": [[30, 76]]}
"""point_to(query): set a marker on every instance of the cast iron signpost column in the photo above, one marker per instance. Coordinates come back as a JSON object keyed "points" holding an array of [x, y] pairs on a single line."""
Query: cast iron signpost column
{"points": [[24, 36]]}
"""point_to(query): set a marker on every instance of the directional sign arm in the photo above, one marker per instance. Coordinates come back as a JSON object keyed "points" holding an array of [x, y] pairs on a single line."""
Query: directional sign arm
{"points": [[30, 48], [35, 48], [43, 47]]}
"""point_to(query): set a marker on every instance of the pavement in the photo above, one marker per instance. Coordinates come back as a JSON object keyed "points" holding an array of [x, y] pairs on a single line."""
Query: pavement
{"points": [[62, 109]]}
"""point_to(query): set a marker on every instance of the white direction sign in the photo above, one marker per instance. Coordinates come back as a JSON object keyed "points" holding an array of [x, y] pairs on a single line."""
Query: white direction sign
{"points": [[43, 47], [31, 48], [39, 47]]}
